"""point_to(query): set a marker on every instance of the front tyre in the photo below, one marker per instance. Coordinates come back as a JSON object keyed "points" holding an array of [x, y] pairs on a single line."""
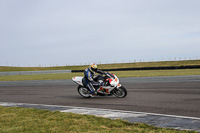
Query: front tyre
{"points": [[84, 92], [120, 92]]}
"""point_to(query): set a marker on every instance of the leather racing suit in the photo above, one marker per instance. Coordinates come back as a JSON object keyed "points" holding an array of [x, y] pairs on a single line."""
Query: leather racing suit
{"points": [[88, 80]]}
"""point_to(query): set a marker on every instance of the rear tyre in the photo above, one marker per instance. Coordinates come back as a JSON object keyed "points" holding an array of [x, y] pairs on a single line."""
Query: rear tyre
{"points": [[120, 92], [84, 92]]}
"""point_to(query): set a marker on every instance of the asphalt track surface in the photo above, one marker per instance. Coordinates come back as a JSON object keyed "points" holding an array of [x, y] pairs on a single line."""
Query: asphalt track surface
{"points": [[177, 95]]}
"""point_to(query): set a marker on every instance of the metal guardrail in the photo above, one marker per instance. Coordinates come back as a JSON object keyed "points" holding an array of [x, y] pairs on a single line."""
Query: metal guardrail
{"points": [[34, 72], [148, 68]]}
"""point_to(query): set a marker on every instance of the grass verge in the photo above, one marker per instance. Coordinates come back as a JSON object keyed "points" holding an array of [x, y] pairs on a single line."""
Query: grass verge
{"points": [[143, 73], [15, 119], [105, 66]]}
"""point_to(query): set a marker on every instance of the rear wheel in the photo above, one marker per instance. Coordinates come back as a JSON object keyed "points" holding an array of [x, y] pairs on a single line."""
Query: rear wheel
{"points": [[84, 92], [120, 92]]}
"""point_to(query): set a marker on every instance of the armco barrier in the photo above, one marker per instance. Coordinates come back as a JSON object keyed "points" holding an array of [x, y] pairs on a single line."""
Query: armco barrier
{"points": [[148, 68], [34, 72]]}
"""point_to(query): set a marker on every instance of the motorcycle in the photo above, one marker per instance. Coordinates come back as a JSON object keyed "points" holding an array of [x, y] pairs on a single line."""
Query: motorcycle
{"points": [[111, 86]]}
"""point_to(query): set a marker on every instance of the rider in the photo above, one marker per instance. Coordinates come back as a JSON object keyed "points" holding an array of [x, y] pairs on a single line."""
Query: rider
{"points": [[88, 79]]}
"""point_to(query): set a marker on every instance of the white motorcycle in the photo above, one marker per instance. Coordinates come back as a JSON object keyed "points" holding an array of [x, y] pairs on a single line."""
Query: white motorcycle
{"points": [[111, 86]]}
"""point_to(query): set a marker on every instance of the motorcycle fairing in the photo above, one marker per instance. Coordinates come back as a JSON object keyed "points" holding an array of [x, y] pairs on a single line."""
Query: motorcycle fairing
{"points": [[78, 80]]}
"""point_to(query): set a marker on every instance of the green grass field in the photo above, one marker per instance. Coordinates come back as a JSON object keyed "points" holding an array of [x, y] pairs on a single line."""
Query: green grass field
{"points": [[24, 120], [141, 73], [105, 66]]}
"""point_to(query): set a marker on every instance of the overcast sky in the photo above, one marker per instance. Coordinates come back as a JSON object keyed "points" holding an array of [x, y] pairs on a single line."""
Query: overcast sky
{"points": [[61, 32]]}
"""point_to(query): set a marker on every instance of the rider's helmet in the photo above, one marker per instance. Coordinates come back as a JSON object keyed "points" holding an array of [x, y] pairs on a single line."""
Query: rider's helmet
{"points": [[93, 67]]}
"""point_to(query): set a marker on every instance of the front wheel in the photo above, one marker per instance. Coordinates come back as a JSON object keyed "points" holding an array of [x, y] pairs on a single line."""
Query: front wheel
{"points": [[120, 92], [84, 92]]}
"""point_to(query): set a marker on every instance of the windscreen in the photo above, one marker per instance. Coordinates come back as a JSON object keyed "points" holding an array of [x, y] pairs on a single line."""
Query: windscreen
{"points": [[110, 75]]}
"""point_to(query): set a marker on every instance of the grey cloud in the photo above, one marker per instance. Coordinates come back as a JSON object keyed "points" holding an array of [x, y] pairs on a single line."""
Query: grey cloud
{"points": [[50, 32]]}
